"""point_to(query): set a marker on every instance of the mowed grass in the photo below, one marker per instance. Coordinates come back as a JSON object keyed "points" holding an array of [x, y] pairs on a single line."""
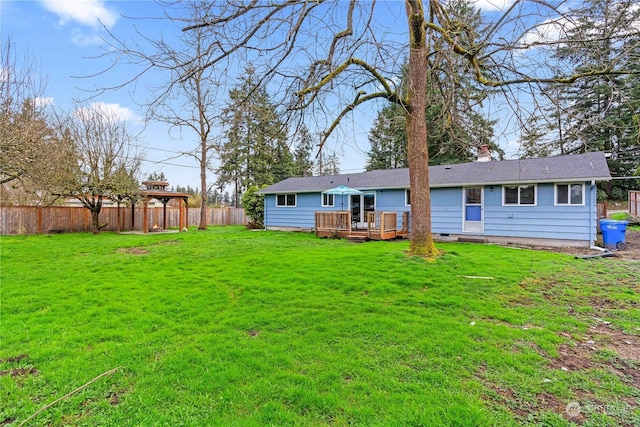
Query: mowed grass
{"points": [[230, 327]]}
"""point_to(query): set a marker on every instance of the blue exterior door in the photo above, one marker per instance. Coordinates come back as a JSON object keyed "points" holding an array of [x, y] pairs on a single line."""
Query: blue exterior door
{"points": [[473, 210]]}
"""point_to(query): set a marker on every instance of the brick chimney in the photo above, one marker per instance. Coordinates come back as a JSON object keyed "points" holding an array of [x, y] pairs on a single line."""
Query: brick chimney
{"points": [[484, 155]]}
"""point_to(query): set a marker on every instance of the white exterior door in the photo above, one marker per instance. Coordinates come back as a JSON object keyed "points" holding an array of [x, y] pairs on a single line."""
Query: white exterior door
{"points": [[473, 210], [361, 204]]}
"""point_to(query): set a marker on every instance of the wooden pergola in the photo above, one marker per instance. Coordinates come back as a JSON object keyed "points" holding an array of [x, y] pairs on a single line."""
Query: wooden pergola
{"points": [[158, 190]]}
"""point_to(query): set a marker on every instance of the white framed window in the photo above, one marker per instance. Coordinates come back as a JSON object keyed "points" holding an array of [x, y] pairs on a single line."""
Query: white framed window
{"points": [[519, 195], [327, 200], [407, 197], [570, 194], [286, 200]]}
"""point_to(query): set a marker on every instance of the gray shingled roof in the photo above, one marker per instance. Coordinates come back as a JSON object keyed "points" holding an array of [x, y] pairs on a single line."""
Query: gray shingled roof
{"points": [[577, 167]]}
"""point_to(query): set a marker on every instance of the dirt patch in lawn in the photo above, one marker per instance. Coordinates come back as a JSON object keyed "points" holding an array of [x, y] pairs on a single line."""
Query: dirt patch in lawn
{"points": [[133, 251], [630, 253], [19, 372], [14, 359], [114, 397], [601, 348]]}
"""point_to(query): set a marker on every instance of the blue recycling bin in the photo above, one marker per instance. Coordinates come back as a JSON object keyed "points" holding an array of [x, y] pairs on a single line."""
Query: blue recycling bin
{"points": [[613, 233]]}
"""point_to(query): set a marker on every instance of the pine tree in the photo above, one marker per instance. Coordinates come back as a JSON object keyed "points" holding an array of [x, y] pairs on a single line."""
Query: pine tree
{"points": [[600, 113], [450, 141], [157, 176], [329, 164], [388, 139], [303, 163], [255, 151]]}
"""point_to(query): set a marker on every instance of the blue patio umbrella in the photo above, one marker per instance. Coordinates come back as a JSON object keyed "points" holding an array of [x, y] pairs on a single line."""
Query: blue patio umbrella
{"points": [[341, 190]]}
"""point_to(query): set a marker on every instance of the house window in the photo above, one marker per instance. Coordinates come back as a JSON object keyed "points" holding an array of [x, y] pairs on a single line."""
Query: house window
{"points": [[519, 194], [407, 197], [327, 200], [283, 200], [569, 194]]}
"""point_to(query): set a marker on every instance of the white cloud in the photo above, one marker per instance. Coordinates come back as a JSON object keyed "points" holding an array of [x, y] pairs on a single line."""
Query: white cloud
{"points": [[547, 32], [554, 30], [493, 5], [81, 39], [114, 112], [43, 101], [86, 12]]}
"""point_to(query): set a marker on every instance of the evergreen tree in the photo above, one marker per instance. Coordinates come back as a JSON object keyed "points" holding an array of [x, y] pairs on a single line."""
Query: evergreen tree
{"points": [[303, 163], [599, 113], [254, 151], [388, 139], [450, 141], [329, 164], [157, 176]]}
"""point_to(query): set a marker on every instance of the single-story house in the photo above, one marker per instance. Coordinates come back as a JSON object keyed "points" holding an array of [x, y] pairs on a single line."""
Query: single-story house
{"points": [[549, 201]]}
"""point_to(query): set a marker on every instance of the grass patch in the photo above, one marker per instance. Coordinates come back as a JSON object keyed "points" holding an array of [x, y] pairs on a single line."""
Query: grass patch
{"points": [[237, 328], [620, 216]]}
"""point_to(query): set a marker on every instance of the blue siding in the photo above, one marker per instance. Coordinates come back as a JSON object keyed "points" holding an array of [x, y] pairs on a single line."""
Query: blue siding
{"points": [[300, 216], [392, 201], [446, 210], [541, 221]]}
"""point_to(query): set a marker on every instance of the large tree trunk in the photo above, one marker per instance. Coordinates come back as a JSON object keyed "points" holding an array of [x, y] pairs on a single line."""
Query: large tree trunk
{"points": [[203, 186], [421, 242], [95, 221]]}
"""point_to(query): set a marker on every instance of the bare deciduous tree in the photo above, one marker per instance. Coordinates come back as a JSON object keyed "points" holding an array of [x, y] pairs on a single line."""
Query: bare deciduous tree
{"points": [[105, 163], [187, 98], [29, 154]]}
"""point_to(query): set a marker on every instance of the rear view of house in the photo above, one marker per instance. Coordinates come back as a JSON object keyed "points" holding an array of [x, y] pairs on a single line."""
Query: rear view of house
{"points": [[548, 201]]}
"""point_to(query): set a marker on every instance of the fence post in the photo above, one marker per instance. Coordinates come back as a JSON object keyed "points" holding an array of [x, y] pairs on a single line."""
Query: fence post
{"points": [[39, 220], [634, 202]]}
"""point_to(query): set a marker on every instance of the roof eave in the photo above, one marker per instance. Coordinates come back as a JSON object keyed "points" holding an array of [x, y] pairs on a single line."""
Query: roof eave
{"points": [[454, 184]]}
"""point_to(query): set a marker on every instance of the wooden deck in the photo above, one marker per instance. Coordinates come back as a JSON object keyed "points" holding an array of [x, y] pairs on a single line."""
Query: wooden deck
{"points": [[380, 225]]}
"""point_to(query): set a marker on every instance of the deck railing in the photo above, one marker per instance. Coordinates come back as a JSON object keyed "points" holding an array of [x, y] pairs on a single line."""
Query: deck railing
{"points": [[382, 221], [333, 220], [405, 223], [380, 225]]}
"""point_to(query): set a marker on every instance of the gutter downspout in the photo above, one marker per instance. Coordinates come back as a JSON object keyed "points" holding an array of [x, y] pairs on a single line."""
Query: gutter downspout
{"points": [[264, 209], [592, 229]]}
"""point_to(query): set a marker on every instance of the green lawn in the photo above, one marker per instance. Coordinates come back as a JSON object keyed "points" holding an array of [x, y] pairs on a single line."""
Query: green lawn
{"points": [[230, 327]]}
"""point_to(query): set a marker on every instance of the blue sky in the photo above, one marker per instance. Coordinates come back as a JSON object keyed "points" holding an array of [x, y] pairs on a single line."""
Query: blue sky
{"points": [[64, 38]]}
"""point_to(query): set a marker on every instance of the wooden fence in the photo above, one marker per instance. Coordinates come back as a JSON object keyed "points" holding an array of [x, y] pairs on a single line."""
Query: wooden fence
{"points": [[601, 209], [58, 219], [634, 203]]}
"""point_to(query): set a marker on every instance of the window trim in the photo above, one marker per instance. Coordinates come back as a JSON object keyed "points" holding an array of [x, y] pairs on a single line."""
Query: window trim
{"points": [[407, 197], [322, 199], [295, 200], [569, 185], [535, 195]]}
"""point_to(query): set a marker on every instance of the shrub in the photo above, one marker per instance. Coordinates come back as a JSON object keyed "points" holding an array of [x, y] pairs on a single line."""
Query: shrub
{"points": [[253, 205], [618, 194]]}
